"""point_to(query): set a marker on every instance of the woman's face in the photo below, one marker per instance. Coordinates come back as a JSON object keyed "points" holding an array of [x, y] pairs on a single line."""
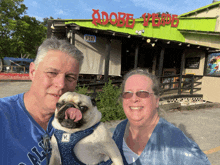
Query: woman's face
{"points": [[140, 111]]}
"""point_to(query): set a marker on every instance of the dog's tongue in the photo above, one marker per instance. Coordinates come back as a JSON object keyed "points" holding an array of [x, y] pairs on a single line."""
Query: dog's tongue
{"points": [[73, 113]]}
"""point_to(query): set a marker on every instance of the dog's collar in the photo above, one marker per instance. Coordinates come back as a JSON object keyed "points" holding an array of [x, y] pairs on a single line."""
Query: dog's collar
{"points": [[88, 130]]}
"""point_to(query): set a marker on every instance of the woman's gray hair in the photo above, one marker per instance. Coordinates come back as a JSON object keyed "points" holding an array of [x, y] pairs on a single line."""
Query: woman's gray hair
{"points": [[144, 72], [61, 45]]}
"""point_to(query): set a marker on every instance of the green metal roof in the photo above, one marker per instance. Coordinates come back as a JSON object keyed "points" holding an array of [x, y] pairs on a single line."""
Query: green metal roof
{"points": [[201, 9], [197, 24], [164, 32]]}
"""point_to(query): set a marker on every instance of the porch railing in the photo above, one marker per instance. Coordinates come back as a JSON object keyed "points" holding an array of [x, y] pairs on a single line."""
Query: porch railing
{"points": [[13, 69], [190, 85], [171, 86]]}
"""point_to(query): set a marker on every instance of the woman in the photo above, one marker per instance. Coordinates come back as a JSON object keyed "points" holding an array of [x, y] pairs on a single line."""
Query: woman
{"points": [[146, 139]]}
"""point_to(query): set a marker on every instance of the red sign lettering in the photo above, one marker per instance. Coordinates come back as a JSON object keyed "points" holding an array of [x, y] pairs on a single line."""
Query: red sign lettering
{"points": [[120, 20], [164, 19], [123, 19]]}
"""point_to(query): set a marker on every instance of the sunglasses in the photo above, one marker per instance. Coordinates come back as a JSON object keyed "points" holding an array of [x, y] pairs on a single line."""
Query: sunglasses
{"points": [[141, 94]]}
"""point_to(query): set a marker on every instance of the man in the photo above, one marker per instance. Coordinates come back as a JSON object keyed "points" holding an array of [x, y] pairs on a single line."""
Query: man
{"points": [[26, 118]]}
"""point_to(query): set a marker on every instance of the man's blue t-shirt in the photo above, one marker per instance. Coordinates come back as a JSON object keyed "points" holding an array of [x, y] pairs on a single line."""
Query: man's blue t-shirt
{"points": [[21, 136]]}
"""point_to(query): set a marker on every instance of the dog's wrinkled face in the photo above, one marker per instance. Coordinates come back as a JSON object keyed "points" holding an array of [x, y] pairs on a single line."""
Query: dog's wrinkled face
{"points": [[69, 108]]}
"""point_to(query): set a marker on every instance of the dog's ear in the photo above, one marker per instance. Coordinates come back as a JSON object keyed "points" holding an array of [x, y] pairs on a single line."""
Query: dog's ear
{"points": [[93, 101]]}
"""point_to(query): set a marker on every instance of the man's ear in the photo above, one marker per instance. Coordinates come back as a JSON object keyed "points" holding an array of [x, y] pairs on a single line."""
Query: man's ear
{"points": [[32, 70], [157, 101]]}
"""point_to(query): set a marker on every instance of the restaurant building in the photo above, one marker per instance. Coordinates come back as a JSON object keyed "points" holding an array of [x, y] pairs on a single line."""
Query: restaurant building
{"points": [[186, 45]]}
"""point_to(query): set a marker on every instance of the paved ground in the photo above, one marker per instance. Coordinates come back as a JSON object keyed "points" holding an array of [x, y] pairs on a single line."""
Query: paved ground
{"points": [[12, 88], [202, 126]]}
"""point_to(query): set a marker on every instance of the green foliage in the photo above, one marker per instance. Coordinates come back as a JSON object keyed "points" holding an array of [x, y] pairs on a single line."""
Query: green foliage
{"points": [[82, 90], [19, 33], [108, 104], [107, 101]]}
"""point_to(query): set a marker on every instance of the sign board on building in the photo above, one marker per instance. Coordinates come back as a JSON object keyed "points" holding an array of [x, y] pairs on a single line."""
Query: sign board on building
{"points": [[89, 38], [192, 63]]}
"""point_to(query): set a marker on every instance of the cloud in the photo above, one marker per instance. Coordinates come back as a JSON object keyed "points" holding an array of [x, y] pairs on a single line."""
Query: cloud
{"points": [[173, 7], [60, 12], [154, 5], [34, 4], [38, 18]]}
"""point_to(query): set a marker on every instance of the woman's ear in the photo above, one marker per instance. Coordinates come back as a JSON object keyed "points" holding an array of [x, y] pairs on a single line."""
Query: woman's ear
{"points": [[32, 70]]}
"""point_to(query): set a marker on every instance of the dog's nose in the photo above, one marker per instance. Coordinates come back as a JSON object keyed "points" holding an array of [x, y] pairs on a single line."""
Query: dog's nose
{"points": [[70, 105]]}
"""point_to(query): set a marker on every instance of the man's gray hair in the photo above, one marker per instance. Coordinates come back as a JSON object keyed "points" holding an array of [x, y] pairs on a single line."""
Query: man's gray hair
{"points": [[144, 72], [61, 45]]}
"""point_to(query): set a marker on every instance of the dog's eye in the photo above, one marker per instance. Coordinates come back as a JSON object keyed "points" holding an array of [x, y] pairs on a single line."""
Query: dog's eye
{"points": [[83, 108], [93, 102], [58, 105]]}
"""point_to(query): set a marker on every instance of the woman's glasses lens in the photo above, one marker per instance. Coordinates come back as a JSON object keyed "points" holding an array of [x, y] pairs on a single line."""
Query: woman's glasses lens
{"points": [[127, 95], [141, 94]]}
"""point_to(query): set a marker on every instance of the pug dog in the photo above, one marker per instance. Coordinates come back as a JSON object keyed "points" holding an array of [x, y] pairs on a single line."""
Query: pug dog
{"points": [[79, 135]]}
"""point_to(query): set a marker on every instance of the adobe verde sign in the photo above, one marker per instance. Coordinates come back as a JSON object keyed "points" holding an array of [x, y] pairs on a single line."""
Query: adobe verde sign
{"points": [[124, 19]]}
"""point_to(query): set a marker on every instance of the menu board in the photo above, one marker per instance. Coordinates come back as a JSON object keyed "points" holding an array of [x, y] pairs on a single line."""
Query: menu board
{"points": [[192, 63]]}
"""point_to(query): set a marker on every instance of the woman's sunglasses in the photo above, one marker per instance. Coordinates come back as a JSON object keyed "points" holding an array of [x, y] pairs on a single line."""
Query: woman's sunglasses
{"points": [[141, 94]]}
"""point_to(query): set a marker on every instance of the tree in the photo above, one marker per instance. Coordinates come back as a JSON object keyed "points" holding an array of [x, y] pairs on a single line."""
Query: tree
{"points": [[19, 33], [45, 21], [159, 14], [9, 11]]}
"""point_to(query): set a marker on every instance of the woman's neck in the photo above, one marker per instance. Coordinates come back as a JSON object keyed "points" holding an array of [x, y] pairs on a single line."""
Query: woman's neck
{"points": [[137, 137], [145, 130]]}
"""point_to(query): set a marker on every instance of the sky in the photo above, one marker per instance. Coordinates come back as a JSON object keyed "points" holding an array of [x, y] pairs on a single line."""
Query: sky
{"points": [[82, 9]]}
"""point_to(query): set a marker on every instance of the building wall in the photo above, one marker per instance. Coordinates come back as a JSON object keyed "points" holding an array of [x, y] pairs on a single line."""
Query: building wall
{"points": [[94, 55], [195, 53], [202, 39], [213, 12], [209, 40], [210, 85], [200, 71], [211, 88]]}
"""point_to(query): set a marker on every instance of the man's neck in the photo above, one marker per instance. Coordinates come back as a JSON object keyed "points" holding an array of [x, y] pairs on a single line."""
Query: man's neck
{"points": [[40, 115]]}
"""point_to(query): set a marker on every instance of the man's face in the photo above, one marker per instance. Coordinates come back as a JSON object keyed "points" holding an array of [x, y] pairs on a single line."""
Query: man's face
{"points": [[56, 74]]}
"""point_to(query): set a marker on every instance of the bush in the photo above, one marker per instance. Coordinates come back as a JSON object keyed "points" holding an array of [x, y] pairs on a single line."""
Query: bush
{"points": [[108, 104], [82, 90]]}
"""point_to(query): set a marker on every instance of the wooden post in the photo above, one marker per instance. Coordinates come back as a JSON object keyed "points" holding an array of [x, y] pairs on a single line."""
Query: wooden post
{"points": [[136, 56], [72, 38], [49, 30], [192, 84], [161, 62], [107, 59], [181, 72], [154, 65]]}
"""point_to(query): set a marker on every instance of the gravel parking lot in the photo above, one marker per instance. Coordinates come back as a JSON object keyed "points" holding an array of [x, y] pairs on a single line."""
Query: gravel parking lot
{"points": [[9, 88]]}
